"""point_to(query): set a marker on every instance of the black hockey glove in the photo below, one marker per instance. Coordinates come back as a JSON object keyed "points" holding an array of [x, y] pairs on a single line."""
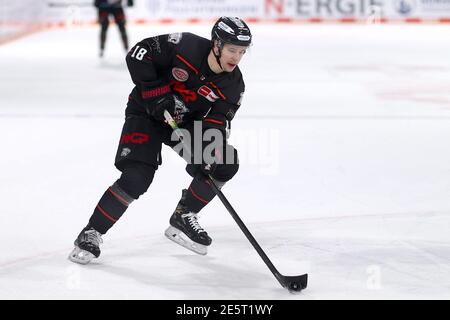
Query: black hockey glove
{"points": [[205, 168], [208, 169], [166, 102], [173, 103], [158, 97]]}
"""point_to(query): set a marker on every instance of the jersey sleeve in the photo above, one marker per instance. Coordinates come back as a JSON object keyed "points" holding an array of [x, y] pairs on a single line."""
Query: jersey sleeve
{"points": [[224, 110], [149, 60]]}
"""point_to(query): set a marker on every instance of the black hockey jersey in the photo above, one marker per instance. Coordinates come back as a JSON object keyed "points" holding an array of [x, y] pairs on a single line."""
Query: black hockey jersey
{"points": [[180, 61]]}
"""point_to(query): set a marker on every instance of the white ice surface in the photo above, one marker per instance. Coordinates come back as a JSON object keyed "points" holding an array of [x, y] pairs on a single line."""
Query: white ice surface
{"points": [[345, 169]]}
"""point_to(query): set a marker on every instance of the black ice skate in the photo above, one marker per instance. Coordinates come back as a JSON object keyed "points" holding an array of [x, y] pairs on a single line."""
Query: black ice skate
{"points": [[87, 246], [185, 230]]}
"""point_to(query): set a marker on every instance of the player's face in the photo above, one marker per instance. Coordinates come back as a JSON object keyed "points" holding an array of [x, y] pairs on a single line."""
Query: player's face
{"points": [[231, 56]]}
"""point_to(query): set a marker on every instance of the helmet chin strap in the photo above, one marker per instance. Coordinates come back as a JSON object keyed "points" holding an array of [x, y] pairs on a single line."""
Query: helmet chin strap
{"points": [[218, 55]]}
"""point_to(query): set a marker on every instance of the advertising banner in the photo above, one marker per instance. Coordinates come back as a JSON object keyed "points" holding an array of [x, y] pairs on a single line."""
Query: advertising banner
{"points": [[296, 9]]}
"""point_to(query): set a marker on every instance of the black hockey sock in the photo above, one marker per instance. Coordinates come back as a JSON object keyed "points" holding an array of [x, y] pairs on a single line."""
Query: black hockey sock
{"points": [[199, 194], [102, 43], [124, 39], [125, 42], [123, 33], [110, 208], [103, 37]]}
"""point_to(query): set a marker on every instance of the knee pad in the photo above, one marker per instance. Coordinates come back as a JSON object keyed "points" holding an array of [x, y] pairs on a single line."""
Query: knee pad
{"points": [[230, 166], [225, 172], [136, 178]]}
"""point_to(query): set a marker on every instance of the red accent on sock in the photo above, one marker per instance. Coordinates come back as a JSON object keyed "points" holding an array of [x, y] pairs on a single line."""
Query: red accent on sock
{"points": [[119, 197], [197, 196], [106, 214]]}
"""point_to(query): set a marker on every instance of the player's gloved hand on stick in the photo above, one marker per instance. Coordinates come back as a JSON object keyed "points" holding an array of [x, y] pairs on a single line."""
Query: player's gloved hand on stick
{"points": [[208, 168], [158, 97], [167, 102], [204, 170]]}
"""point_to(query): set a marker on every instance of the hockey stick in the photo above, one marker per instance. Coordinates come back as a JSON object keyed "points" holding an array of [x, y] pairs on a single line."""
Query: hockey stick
{"points": [[292, 283]]}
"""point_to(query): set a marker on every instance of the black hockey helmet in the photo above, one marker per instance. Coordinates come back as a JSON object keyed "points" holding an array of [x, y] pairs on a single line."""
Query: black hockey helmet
{"points": [[232, 30]]}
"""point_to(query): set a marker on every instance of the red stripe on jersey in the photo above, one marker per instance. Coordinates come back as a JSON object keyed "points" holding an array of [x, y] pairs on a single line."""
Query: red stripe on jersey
{"points": [[155, 92], [213, 121], [218, 91], [187, 63]]}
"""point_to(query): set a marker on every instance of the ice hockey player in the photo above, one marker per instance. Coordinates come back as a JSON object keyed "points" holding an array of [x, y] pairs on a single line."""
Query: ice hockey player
{"points": [[114, 8], [198, 82]]}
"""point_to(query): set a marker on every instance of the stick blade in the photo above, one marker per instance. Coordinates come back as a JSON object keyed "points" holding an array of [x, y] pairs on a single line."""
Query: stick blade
{"points": [[294, 284]]}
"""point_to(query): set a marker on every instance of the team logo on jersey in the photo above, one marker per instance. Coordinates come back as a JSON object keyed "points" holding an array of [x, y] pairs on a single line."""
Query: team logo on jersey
{"points": [[207, 93], [180, 74], [175, 38]]}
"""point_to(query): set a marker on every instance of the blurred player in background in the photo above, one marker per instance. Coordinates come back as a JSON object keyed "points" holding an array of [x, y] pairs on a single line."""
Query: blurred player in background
{"points": [[114, 8]]}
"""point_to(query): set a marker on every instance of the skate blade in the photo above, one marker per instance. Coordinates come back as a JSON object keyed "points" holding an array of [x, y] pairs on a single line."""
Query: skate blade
{"points": [[80, 256], [183, 240]]}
